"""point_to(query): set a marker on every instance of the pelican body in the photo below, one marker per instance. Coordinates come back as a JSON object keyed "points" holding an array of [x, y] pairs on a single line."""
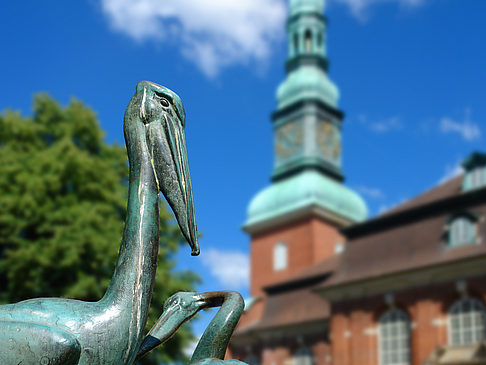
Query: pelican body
{"points": [[63, 331]]}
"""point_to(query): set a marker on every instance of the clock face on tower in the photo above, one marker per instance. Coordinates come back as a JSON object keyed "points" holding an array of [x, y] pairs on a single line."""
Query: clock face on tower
{"points": [[329, 141], [288, 140]]}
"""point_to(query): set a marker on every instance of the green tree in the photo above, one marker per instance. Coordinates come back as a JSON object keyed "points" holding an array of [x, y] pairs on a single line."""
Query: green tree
{"points": [[63, 194]]}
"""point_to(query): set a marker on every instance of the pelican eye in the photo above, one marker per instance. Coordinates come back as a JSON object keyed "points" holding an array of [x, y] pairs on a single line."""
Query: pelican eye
{"points": [[164, 102], [162, 99]]}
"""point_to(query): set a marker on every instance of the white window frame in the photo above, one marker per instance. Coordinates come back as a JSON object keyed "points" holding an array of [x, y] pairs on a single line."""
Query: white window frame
{"points": [[477, 177], [303, 356], [401, 321], [462, 231], [470, 310], [280, 256], [308, 41]]}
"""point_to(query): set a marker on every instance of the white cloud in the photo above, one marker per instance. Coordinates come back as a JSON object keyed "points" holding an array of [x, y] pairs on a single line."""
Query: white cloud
{"points": [[468, 130], [371, 192], [387, 125], [382, 125], [213, 34], [450, 172], [384, 208], [360, 8], [231, 268]]}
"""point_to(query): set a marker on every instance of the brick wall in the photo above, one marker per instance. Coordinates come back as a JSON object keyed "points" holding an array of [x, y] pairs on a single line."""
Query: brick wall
{"points": [[354, 323], [308, 242], [281, 349]]}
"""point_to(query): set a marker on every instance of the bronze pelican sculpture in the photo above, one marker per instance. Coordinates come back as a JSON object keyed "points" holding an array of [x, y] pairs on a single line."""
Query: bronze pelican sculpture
{"points": [[181, 307], [62, 331]]}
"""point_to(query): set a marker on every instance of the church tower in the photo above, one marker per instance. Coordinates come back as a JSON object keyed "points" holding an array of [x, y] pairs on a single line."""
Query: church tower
{"points": [[294, 222]]}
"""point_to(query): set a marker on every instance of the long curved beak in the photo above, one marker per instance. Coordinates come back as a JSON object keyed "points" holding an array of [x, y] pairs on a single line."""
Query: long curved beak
{"points": [[177, 142], [169, 156]]}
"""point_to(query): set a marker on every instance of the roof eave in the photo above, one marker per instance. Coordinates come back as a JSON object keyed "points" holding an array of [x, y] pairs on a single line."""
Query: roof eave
{"points": [[414, 213], [292, 216], [424, 275]]}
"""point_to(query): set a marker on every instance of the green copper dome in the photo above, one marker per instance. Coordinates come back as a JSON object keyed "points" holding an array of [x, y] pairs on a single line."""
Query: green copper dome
{"points": [[304, 83], [307, 129], [309, 188]]}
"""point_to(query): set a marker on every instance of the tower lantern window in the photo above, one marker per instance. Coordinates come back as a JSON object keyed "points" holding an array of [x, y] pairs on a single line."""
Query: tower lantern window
{"points": [[308, 41]]}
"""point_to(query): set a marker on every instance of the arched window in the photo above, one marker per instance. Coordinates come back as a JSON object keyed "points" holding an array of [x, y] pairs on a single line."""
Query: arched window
{"points": [[462, 231], [280, 256], [308, 40], [394, 340], [467, 322], [303, 356]]}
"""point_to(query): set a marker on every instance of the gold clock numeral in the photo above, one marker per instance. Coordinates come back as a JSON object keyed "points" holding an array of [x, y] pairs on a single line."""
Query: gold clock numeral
{"points": [[328, 140], [289, 139]]}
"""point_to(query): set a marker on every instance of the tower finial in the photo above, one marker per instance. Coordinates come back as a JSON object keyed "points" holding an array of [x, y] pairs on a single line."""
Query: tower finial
{"points": [[306, 29], [306, 6]]}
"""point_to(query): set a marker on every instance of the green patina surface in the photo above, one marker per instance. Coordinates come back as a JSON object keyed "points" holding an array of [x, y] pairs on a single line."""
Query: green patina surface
{"points": [[307, 82], [72, 332], [307, 189], [109, 331], [306, 37], [307, 126]]}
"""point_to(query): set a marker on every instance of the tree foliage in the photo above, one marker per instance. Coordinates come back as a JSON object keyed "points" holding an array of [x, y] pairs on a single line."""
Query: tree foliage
{"points": [[63, 194]]}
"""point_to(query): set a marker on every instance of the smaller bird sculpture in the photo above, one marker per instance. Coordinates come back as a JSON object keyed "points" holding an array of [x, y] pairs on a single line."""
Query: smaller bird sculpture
{"points": [[181, 307]]}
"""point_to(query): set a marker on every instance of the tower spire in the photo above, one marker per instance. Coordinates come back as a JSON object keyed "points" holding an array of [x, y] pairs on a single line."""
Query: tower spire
{"points": [[307, 128], [306, 28], [307, 120]]}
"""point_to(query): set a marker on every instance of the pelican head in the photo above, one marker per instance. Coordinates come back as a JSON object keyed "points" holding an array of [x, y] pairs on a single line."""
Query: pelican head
{"points": [[164, 117]]}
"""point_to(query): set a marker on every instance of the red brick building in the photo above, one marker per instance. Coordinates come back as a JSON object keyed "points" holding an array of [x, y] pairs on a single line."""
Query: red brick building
{"points": [[411, 286], [330, 287]]}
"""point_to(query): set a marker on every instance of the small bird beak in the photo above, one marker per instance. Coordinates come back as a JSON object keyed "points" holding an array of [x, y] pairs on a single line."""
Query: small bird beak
{"points": [[212, 299]]}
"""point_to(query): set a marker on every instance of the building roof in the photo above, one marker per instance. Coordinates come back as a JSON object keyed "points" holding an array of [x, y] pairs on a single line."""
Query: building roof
{"points": [[293, 301], [447, 189], [306, 189], [307, 83], [294, 307], [408, 237], [290, 308], [315, 273], [411, 236]]}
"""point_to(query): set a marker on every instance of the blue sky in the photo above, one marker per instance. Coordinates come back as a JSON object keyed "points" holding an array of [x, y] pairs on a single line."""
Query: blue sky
{"points": [[411, 75]]}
